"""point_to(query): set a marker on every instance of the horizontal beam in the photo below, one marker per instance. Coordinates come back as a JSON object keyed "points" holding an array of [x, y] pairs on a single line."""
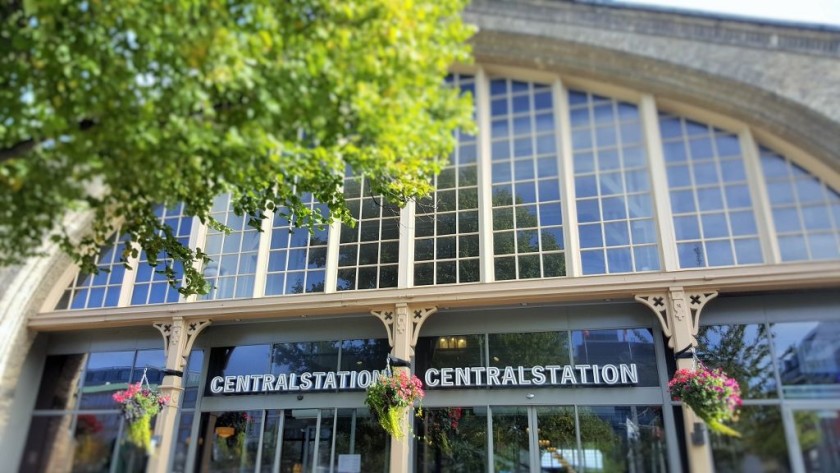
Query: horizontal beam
{"points": [[581, 289]]}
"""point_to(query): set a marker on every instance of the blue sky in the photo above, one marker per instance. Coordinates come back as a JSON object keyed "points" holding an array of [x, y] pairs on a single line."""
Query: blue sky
{"points": [[825, 12]]}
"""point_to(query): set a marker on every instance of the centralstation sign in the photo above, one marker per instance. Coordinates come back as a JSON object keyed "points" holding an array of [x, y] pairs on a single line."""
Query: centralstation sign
{"points": [[435, 378]]}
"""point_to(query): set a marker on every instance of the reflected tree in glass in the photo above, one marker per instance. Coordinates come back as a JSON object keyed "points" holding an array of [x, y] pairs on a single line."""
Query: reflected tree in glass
{"points": [[743, 352], [762, 447], [511, 450], [451, 439], [623, 439]]}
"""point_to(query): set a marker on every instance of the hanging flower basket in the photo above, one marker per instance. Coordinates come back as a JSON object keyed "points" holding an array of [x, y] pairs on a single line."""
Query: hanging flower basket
{"points": [[389, 398], [711, 394], [139, 405]]}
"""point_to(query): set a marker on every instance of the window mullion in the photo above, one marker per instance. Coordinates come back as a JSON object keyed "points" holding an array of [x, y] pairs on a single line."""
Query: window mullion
{"points": [[333, 237], [129, 277], [659, 183], [485, 195], [198, 239], [405, 274], [261, 271], [758, 192], [563, 125]]}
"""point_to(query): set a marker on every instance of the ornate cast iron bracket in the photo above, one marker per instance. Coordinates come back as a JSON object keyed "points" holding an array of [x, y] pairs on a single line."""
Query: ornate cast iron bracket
{"points": [[676, 308], [172, 337], [402, 318]]}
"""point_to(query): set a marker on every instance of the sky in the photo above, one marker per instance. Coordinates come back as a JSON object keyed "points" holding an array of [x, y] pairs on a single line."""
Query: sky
{"points": [[826, 12]]}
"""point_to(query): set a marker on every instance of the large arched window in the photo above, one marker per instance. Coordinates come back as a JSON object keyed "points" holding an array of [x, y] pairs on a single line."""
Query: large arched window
{"points": [[558, 182]]}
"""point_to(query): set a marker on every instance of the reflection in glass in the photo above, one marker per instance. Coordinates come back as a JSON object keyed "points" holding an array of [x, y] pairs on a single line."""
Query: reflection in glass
{"points": [[807, 358], [356, 433], [364, 354], [451, 439], [622, 439], [61, 376], [299, 429], [819, 439], [762, 447], [510, 440], [633, 345], [192, 378], [431, 352], [234, 438], [49, 444], [529, 349], [106, 373], [743, 352], [241, 360], [304, 356], [183, 440], [557, 439]]}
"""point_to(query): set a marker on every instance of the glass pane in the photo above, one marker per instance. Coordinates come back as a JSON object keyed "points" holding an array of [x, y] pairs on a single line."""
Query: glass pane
{"points": [[270, 438], [511, 450], [359, 437], [234, 442], [743, 351], [622, 439], [183, 440], [557, 439], [819, 439], [299, 428], [192, 378], [449, 351], [106, 373], [42, 452], [807, 359], [451, 439], [762, 447], [304, 356], [364, 354], [59, 382], [232, 361], [611, 347], [529, 349]]}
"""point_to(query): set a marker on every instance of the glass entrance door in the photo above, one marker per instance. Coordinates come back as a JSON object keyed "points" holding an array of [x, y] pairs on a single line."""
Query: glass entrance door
{"points": [[292, 441], [541, 439]]}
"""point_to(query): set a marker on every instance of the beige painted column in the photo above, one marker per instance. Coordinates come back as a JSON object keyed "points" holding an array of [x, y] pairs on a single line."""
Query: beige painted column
{"points": [[678, 313], [178, 338], [403, 326]]}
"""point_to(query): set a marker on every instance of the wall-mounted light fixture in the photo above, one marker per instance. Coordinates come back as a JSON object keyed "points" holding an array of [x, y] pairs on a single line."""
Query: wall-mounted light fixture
{"points": [[452, 343]]}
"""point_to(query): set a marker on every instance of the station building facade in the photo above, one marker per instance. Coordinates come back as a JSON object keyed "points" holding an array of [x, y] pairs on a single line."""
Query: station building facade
{"points": [[597, 224]]}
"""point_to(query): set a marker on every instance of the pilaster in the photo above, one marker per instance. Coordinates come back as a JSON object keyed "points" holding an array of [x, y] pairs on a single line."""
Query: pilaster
{"points": [[179, 335], [403, 326], [678, 313]]}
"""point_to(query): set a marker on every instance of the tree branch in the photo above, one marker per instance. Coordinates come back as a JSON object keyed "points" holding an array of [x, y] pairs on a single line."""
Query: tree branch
{"points": [[20, 148]]}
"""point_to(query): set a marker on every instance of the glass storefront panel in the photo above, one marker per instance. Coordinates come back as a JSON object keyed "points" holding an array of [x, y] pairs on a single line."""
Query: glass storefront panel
{"points": [[241, 360], [807, 357], [49, 445], [511, 443], [299, 429], [622, 439], [818, 433], [304, 356], [528, 349], [451, 439], [557, 439], [271, 432], [743, 352], [364, 354], [192, 379], [762, 447], [61, 377], [94, 438], [360, 439], [183, 439], [449, 351], [106, 373], [605, 347], [234, 438]]}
